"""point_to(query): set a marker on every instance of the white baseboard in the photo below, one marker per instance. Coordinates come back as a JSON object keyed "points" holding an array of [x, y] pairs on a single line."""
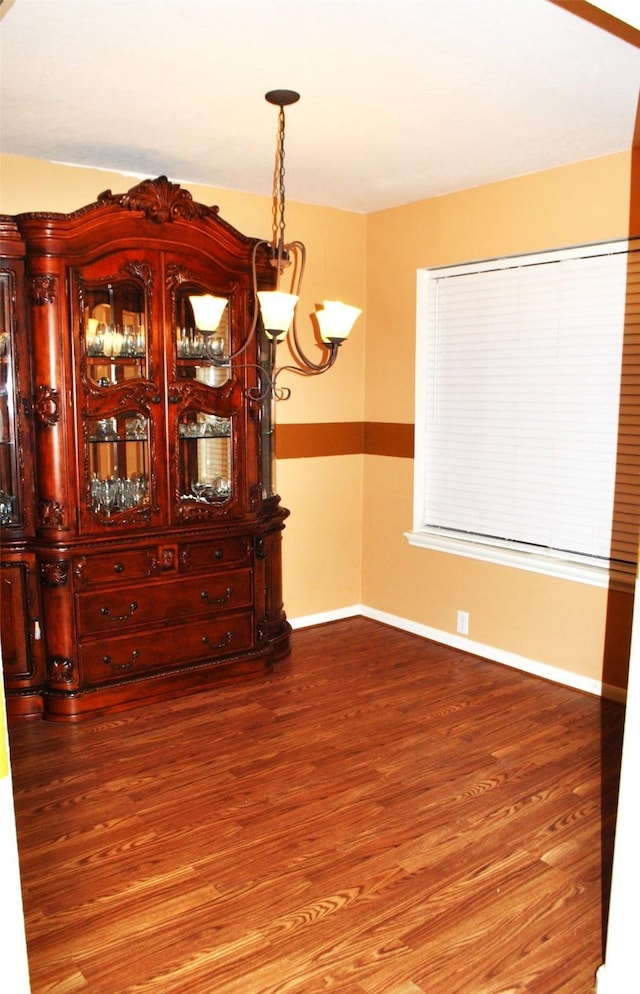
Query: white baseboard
{"points": [[553, 673], [321, 619]]}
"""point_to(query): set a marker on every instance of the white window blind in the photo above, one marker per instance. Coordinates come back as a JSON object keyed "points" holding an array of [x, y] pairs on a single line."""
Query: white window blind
{"points": [[520, 414]]}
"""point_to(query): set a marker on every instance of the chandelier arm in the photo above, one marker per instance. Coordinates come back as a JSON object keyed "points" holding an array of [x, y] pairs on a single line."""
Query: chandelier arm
{"points": [[268, 387], [313, 370], [308, 366], [298, 251], [256, 311]]}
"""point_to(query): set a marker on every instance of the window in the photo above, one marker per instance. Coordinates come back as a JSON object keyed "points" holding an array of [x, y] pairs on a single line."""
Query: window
{"points": [[526, 432]]}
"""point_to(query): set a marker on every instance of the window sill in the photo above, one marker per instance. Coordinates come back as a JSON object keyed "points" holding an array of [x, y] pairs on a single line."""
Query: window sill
{"points": [[517, 558]]}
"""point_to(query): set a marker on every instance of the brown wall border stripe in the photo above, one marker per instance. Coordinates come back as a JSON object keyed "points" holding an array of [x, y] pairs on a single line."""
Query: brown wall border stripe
{"points": [[384, 438], [341, 438]]}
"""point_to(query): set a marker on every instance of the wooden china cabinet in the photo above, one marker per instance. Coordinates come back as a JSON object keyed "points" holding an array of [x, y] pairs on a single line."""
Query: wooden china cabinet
{"points": [[142, 542], [20, 604]]}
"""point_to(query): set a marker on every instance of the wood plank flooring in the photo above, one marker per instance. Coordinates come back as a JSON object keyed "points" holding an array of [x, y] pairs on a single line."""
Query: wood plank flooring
{"points": [[381, 815]]}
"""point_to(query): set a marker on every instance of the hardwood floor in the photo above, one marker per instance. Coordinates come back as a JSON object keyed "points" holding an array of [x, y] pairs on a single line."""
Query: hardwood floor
{"points": [[381, 815]]}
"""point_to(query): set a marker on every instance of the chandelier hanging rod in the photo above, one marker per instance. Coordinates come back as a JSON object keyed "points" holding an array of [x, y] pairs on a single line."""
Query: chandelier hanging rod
{"points": [[277, 307]]}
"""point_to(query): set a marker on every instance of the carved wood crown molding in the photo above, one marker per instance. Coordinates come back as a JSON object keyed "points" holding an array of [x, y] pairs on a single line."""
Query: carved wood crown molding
{"points": [[160, 200], [178, 274]]}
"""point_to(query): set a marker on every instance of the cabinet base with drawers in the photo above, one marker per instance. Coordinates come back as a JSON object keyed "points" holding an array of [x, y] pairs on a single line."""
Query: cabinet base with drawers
{"points": [[142, 621]]}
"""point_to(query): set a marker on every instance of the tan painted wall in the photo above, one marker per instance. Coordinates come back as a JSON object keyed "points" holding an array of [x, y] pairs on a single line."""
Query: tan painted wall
{"points": [[548, 620], [344, 542]]}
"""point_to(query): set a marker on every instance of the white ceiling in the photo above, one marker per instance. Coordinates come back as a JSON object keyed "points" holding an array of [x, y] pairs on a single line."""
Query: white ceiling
{"points": [[400, 100]]}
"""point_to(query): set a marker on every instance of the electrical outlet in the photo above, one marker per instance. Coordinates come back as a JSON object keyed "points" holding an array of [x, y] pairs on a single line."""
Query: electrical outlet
{"points": [[462, 623]]}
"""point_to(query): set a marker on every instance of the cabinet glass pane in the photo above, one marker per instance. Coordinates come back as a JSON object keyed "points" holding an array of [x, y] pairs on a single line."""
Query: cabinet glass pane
{"points": [[205, 457], [118, 462], [9, 513], [114, 330], [196, 347]]}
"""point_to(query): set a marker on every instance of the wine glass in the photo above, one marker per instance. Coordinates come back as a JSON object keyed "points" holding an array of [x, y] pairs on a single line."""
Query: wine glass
{"points": [[198, 488], [110, 494]]}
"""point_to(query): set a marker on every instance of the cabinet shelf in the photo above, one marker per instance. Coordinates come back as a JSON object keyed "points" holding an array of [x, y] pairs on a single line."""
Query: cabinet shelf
{"points": [[204, 431], [103, 358], [116, 439]]}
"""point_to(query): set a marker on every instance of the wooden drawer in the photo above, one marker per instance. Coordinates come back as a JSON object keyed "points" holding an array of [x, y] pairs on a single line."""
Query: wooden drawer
{"points": [[124, 656], [126, 565], [125, 607], [213, 553]]}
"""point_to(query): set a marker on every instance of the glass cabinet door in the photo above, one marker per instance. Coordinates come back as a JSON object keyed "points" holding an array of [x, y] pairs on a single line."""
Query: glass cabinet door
{"points": [[9, 479], [205, 467], [118, 459], [118, 396], [114, 334], [205, 457]]}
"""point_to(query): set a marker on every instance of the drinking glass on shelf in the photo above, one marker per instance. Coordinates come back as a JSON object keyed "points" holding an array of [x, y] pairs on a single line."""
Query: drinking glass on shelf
{"points": [[141, 488], [6, 507], [198, 488], [95, 337], [129, 345], [110, 488]]}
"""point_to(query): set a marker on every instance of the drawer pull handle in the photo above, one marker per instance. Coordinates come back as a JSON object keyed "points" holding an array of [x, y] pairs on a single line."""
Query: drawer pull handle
{"points": [[220, 645], [217, 600], [119, 568], [218, 554], [121, 666], [119, 617]]}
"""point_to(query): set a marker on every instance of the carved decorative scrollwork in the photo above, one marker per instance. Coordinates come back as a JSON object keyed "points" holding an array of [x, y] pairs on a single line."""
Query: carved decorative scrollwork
{"points": [[142, 270], [54, 573], [255, 497], [51, 514], [127, 517], [42, 289], [155, 560], [137, 396], [46, 406], [78, 569], [124, 395], [160, 200], [178, 274], [60, 669]]}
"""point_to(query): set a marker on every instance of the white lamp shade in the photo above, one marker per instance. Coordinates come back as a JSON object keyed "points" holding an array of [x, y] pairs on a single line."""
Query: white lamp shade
{"points": [[336, 320], [277, 311], [207, 311]]}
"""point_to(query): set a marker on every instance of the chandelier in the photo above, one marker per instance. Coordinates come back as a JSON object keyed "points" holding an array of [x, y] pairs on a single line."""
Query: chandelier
{"points": [[277, 308]]}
